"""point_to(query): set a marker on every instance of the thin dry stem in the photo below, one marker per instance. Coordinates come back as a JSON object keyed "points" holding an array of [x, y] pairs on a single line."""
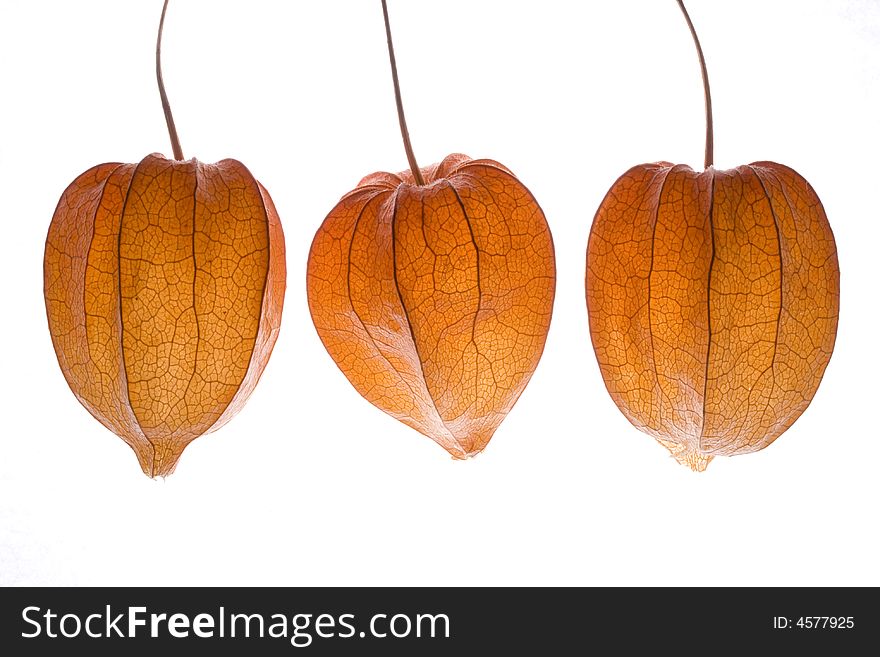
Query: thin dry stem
{"points": [[169, 119], [413, 165], [710, 140]]}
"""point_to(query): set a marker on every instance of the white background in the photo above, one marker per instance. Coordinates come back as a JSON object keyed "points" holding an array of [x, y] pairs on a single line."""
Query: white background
{"points": [[310, 484]]}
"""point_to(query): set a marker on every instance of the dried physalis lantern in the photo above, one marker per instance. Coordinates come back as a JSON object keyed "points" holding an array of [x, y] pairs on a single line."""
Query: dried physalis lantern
{"points": [[432, 290], [713, 300], [164, 283]]}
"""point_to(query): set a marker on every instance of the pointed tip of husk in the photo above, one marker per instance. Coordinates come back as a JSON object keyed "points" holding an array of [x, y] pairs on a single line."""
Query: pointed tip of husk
{"points": [[696, 461], [463, 450], [161, 461], [464, 455], [687, 455]]}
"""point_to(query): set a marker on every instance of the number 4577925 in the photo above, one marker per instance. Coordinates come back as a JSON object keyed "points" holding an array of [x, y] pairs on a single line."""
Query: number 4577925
{"points": [[814, 622]]}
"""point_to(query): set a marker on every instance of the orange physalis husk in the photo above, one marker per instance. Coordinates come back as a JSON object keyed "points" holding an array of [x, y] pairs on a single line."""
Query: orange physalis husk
{"points": [[164, 284], [713, 300], [435, 300]]}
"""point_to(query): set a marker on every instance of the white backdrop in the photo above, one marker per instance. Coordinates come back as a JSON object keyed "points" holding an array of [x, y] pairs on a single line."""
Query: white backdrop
{"points": [[310, 484]]}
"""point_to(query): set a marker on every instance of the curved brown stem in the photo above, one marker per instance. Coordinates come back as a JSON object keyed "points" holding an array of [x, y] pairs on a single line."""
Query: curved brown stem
{"points": [[710, 141], [413, 165], [172, 131]]}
